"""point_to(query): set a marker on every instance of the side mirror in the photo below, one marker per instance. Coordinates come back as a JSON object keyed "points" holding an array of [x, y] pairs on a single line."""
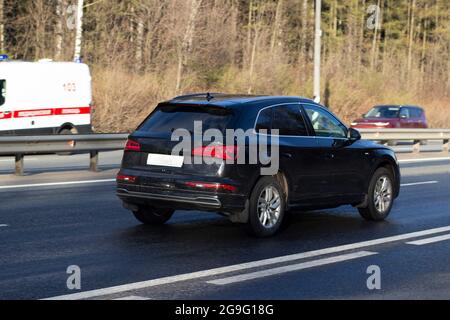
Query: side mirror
{"points": [[353, 134]]}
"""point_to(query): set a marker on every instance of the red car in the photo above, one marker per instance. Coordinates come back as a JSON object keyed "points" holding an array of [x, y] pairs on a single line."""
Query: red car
{"points": [[392, 116]]}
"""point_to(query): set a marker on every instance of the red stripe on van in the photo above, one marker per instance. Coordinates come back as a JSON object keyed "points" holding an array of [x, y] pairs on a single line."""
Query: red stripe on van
{"points": [[33, 113], [45, 112], [70, 111], [5, 115]]}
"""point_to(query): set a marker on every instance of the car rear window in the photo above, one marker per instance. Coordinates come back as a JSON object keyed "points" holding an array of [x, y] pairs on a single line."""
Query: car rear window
{"points": [[168, 118]]}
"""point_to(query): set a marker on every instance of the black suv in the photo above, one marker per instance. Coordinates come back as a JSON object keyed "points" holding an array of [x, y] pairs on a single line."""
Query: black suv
{"points": [[320, 163]]}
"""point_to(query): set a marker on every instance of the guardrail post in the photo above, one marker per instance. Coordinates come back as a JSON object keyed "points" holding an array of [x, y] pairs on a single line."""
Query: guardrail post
{"points": [[445, 146], [416, 147], [93, 162], [19, 164]]}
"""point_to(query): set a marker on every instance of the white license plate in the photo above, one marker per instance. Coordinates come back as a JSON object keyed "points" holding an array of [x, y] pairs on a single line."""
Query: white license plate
{"points": [[165, 160]]}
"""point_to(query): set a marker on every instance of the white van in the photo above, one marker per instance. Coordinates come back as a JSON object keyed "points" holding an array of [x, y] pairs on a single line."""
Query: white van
{"points": [[45, 98]]}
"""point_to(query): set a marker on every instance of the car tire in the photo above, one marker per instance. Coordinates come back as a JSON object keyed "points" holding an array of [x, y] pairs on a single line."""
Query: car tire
{"points": [[64, 132], [380, 197], [152, 216], [266, 208]]}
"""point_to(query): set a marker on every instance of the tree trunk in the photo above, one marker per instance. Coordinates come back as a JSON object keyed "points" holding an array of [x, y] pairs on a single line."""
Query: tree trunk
{"points": [[374, 41], [249, 32], [139, 41], [2, 27], [60, 18], [186, 44], [411, 37], [424, 43], [277, 30], [79, 32]]}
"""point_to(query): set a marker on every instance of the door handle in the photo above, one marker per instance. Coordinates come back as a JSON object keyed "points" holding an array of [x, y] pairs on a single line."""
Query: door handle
{"points": [[287, 155], [330, 156]]}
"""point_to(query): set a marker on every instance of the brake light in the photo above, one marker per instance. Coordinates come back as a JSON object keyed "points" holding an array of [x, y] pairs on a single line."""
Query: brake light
{"points": [[124, 178], [211, 186], [219, 152], [132, 145]]}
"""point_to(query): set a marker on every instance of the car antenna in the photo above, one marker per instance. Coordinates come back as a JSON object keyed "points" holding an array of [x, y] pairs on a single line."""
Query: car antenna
{"points": [[209, 96]]}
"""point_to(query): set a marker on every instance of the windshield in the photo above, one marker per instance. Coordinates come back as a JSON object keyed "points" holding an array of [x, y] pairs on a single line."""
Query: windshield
{"points": [[383, 112], [2, 92]]}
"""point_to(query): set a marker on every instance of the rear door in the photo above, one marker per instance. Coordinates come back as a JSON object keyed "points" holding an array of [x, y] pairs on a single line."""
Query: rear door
{"points": [[296, 149]]}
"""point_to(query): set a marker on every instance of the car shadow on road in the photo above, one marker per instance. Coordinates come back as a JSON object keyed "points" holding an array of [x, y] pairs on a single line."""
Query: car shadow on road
{"points": [[215, 236]]}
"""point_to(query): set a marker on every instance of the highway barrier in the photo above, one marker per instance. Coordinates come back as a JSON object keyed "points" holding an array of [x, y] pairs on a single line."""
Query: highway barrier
{"points": [[20, 146]]}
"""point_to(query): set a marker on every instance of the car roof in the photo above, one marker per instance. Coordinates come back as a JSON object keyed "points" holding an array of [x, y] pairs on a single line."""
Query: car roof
{"points": [[233, 100]]}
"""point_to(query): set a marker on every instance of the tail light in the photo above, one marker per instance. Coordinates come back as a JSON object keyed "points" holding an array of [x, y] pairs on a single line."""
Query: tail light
{"points": [[220, 152], [126, 179], [132, 146], [211, 186]]}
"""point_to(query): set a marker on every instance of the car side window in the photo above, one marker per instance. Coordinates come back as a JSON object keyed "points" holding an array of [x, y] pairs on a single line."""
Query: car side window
{"points": [[289, 120], [404, 113], [264, 121], [325, 124], [416, 113]]}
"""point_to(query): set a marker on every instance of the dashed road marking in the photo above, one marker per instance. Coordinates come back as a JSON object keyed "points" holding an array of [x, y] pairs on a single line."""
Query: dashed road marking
{"points": [[430, 240], [423, 160], [418, 183], [290, 268], [244, 266], [52, 184], [133, 298]]}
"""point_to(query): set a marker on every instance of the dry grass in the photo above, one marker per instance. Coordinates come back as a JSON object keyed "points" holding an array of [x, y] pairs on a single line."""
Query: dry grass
{"points": [[123, 99]]}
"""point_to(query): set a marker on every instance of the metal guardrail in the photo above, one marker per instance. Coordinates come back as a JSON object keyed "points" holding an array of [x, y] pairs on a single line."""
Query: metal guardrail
{"points": [[19, 146], [417, 135]]}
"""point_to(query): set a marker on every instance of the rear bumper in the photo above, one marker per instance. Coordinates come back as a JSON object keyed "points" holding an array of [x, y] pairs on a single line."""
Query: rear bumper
{"points": [[180, 199], [201, 201]]}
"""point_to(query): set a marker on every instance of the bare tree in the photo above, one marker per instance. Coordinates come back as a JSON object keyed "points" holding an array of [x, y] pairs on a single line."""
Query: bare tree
{"points": [[2, 27], [277, 29], [411, 35], [186, 44], [59, 31]]}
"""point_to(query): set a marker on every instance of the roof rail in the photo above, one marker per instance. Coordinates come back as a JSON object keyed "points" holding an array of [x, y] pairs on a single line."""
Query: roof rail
{"points": [[207, 95]]}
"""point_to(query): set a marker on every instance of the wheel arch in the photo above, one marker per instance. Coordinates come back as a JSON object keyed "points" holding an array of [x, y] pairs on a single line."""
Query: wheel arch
{"points": [[66, 125], [390, 164]]}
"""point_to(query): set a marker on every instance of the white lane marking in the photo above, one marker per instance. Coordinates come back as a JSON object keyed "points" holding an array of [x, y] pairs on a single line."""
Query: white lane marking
{"points": [[242, 266], [423, 160], [418, 183], [51, 184], [12, 159], [290, 268], [430, 240], [133, 298], [3, 225]]}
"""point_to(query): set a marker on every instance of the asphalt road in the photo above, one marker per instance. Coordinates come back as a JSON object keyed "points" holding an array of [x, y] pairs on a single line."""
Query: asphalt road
{"points": [[46, 227]]}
